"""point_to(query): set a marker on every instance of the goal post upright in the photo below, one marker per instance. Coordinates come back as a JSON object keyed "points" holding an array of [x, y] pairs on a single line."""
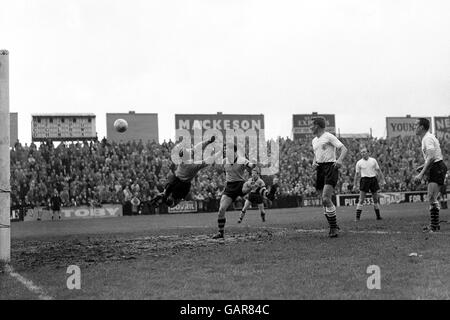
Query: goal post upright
{"points": [[5, 229]]}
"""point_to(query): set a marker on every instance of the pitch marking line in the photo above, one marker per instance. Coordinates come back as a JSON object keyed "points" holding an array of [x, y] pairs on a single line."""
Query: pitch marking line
{"points": [[364, 231], [28, 284], [349, 231], [231, 225]]}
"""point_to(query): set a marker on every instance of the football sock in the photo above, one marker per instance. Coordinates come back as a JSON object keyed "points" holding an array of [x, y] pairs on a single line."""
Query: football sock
{"points": [[434, 215], [221, 223], [242, 215], [330, 214], [377, 213], [377, 210], [358, 211]]}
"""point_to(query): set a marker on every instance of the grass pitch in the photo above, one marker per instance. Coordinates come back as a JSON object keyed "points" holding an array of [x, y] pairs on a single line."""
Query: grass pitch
{"points": [[288, 257]]}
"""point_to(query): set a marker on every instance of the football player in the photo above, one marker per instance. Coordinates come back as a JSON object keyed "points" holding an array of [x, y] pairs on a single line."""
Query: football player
{"points": [[256, 189]]}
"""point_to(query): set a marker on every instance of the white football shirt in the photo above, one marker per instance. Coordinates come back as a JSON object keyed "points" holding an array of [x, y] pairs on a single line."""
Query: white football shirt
{"points": [[367, 168], [429, 142], [325, 147]]}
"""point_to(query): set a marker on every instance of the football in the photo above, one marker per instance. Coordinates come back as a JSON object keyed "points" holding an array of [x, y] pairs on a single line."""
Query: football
{"points": [[120, 125]]}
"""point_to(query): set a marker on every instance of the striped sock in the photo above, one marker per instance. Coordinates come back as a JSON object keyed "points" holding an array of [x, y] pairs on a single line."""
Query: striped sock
{"points": [[434, 216], [330, 214], [332, 221], [358, 211], [242, 215], [221, 223]]}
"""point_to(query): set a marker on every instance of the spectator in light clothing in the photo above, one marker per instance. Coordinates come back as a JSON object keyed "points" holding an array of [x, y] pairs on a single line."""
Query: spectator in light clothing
{"points": [[127, 193], [135, 187], [135, 202]]}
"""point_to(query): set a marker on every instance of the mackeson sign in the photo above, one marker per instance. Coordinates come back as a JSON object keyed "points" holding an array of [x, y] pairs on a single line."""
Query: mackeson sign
{"points": [[221, 122]]}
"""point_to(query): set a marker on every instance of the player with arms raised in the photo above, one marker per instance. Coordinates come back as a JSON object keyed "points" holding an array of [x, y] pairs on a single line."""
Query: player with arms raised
{"points": [[179, 184], [257, 191], [433, 170], [368, 169], [324, 146], [234, 176]]}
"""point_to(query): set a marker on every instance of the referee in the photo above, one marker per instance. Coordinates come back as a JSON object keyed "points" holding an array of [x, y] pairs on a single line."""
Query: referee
{"points": [[368, 169]]}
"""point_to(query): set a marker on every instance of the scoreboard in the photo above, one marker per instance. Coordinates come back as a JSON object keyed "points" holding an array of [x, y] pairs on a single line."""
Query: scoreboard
{"points": [[301, 124], [63, 127]]}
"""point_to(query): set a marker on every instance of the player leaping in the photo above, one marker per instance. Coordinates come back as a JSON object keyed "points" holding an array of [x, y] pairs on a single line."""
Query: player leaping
{"points": [[325, 145], [179, 184], [368, 169]]}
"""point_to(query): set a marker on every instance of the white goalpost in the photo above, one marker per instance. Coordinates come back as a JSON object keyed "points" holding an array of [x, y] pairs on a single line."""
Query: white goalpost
{"points": [[5, 229]]}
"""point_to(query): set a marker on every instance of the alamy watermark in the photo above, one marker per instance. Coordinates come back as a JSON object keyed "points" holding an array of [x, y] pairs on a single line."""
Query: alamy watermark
{"points": [[74, 280], [255, 142], [374, 280]]}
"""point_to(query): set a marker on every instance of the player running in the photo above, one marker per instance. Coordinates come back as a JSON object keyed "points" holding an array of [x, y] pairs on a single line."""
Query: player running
{"points": [[257, 191], [325, 145], [368, 169], [433, 170], [178, 185], [235, 179]]}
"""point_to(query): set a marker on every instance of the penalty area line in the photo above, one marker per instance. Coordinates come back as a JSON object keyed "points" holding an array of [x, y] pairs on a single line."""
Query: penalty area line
{"points": [[42, 295]]}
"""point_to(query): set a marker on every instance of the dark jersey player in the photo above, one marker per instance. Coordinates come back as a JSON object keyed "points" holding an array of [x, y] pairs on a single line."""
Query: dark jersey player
{"points": [[235, 178], [178, 185], [257, 192]]}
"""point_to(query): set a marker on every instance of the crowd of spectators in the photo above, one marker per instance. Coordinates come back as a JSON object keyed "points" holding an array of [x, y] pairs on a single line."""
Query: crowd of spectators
{"points": [[96, 172]]}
